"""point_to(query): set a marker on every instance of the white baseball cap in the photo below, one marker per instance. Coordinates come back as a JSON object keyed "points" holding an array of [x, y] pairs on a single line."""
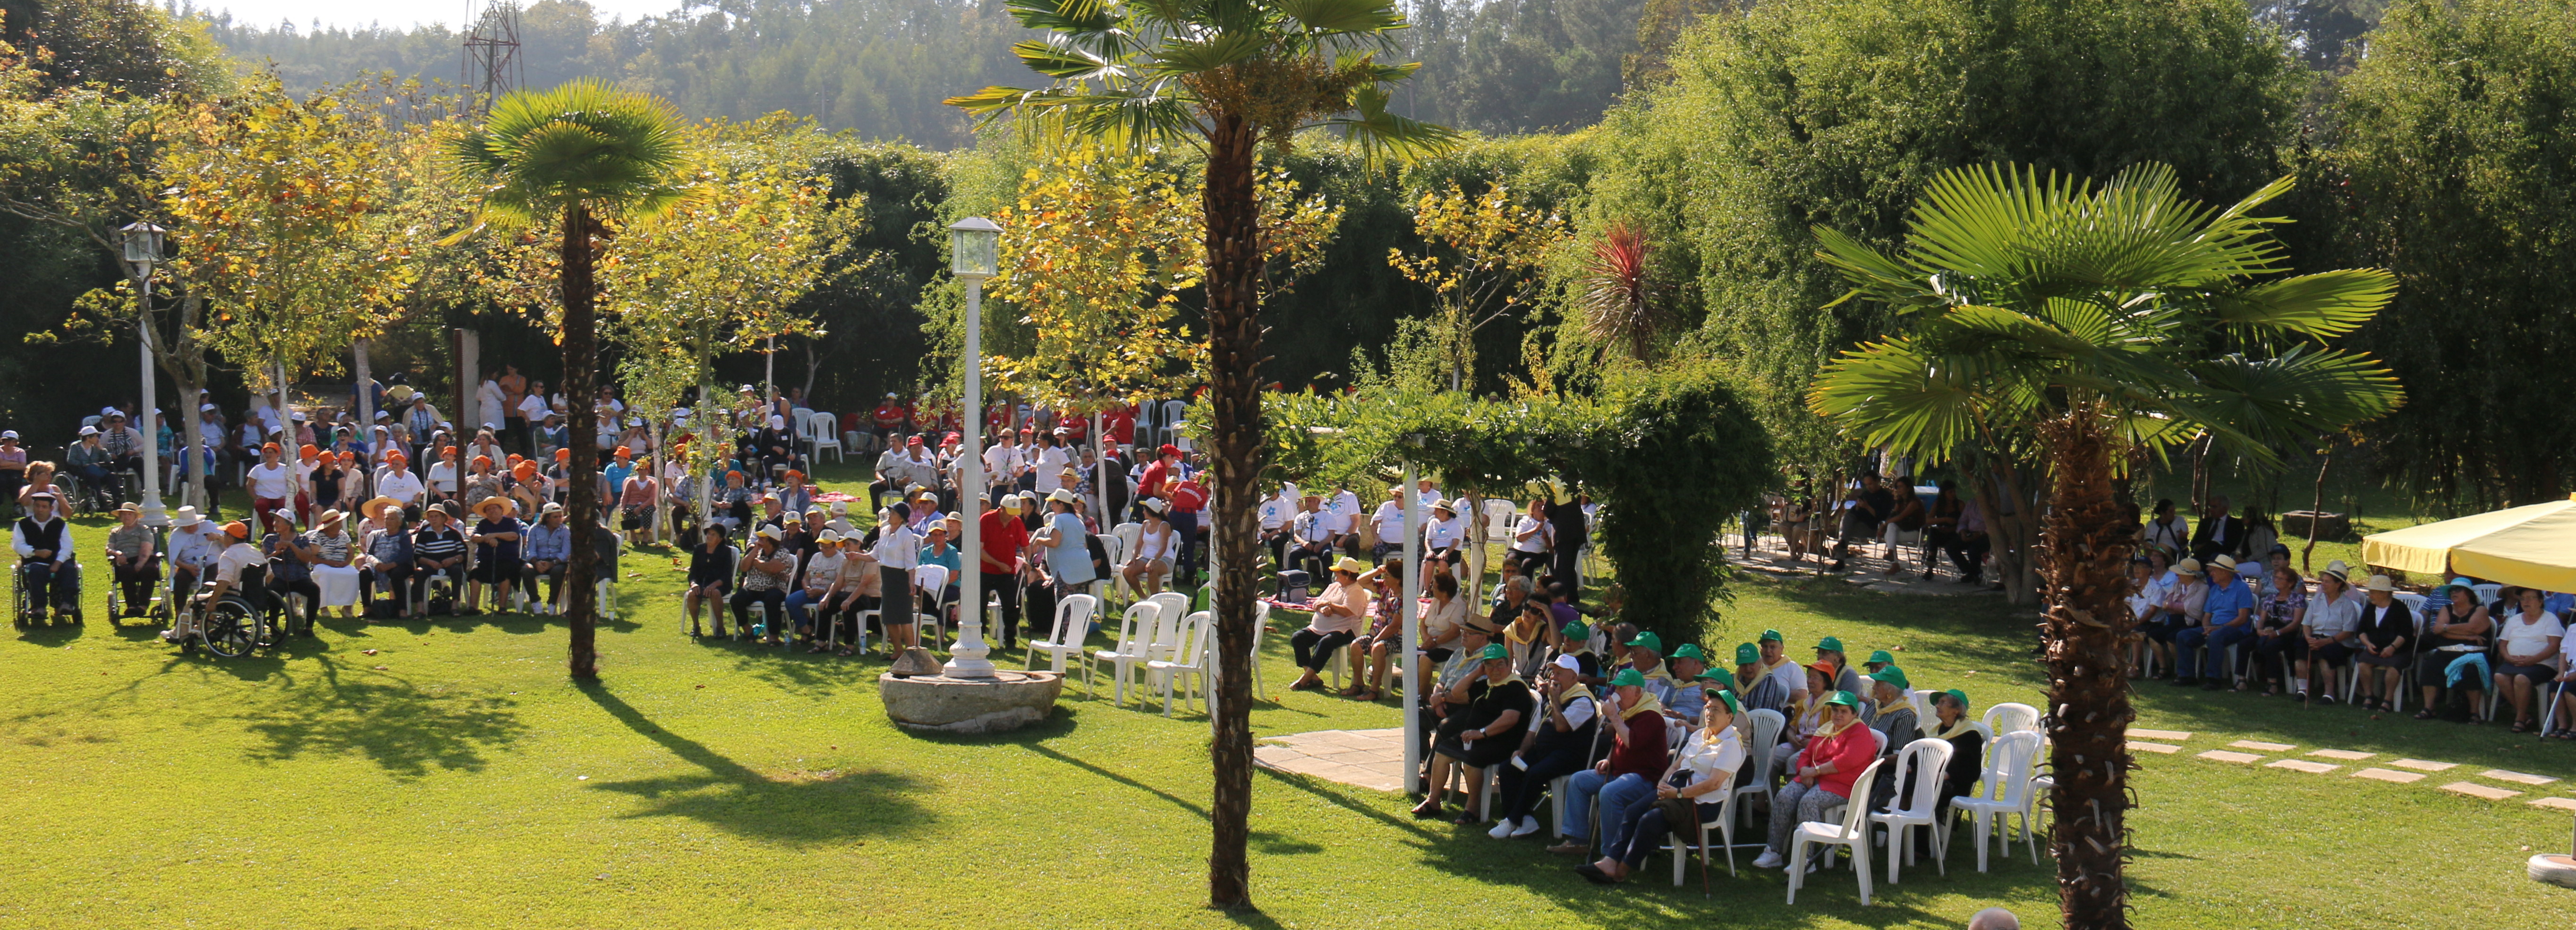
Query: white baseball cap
{"points": [[89, 431]]}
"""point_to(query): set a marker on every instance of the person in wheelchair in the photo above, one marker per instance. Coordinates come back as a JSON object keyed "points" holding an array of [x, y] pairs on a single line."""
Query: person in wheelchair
{"points": [[291, 556], [239, 571], [88, 462], [124, 443], [192, 549], [48, 572], [389, 561], [438, 551], [134, 560]]}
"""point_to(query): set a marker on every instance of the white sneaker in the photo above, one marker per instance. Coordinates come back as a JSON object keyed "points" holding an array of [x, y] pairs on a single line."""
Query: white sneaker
{"points": [[1768, 860], [1528, 825], [1502, 829]]}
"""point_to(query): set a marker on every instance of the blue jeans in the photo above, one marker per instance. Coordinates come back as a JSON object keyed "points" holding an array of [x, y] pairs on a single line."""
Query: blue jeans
{"points": [[2188, 643], [1620, 798]]}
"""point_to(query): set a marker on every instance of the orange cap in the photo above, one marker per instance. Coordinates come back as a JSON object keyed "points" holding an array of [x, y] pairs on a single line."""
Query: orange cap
{"points": [[308, 451], [270, 447], [483, 460], [623, 452], [563, 455], [524, 470], [447, 450], [237, 530]]}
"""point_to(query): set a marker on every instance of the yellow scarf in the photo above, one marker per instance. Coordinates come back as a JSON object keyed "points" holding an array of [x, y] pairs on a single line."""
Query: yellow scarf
{"points": [[1521, 630], [1646, 703], [1953, 732]]}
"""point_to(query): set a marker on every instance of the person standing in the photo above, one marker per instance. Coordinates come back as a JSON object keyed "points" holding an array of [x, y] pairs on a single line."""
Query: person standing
{"points": [[1002, 536]]}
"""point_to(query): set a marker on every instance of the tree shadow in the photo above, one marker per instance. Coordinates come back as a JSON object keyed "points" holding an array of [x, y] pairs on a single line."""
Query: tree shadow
{"points": [[794, 807], [1176, 800], [405, 730]]}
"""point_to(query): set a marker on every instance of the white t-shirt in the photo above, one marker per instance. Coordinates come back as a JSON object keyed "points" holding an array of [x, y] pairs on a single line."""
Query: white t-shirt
{"points": [[443, 476], [1345, 505], [1792, 676], [1537, 542], [2336, 618], [270, 480], [402, 486], [2522, 638], [1275, 512], [1443, 534], [533, 408], [1389, 521], [1050, 464]]}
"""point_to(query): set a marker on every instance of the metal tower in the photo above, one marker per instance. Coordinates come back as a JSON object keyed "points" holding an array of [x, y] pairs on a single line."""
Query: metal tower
{"points": [[491, 52]]}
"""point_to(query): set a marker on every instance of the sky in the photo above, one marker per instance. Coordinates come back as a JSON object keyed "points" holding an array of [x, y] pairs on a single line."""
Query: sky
{"points": [[395, 13]]}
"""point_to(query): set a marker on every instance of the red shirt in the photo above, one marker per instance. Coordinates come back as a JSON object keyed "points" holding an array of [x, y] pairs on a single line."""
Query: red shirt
{"points": [[1150, 484], [1188, 497], [1850, 751], [1120, 421], [1075, 427], [997, 416], [889, 416], [1003, 536], [1642, 750]]}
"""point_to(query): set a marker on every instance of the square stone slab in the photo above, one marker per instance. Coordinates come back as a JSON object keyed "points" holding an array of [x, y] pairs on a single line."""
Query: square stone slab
{"points": [[2518, 778], [2423, 766], [2303, 765], [2135, 746], [2221, 755], [2402, 778], [2260, 746], [2564, 804], [2167, 735], [2342, 754], [2479, 791]]}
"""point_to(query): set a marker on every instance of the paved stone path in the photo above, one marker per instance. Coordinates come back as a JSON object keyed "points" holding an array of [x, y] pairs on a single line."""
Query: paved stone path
{"points": [[1372, 759]]}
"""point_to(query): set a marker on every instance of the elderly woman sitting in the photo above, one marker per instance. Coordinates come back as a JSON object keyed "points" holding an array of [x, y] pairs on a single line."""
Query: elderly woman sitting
{"points": [[1834, 758], [2453, 649], [1950, 724], [1494, 709], [1691, 791]]}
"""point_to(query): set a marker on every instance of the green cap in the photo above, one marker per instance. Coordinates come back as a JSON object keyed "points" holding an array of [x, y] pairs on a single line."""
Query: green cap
{"points": [[1574, 629], [1733, 706], [1748, 654], [1689, 651], [1495, 651], [1893, 677], [1834, 643], [1628, 677], [1716, 676], [1960, 696], [1773, 636], [1880, 658], [1649, 640], [1844, 699]]}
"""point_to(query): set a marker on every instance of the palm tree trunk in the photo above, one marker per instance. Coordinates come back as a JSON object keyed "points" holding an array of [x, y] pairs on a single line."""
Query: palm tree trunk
{"points": [[580, 362], [1234, 354], [2082, 559]]}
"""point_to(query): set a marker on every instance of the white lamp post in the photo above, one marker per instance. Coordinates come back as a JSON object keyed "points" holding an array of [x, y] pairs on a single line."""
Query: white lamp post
{"points": [[974, 247], [143, 243]]}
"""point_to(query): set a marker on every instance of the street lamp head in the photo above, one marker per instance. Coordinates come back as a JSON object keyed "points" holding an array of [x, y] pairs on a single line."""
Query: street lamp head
{"points": [[974, 247], [142, 243]]}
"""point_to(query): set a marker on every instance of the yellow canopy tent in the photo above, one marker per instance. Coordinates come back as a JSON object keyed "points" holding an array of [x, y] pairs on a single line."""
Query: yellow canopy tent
{"points": [[2532, 546]]}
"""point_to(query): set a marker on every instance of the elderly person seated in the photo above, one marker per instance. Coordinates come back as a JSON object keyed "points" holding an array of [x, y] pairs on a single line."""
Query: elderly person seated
{"points": [[2327, 634], [1951, 724], [1829, 650], [1807, 717], [1685, 692], [1490, 711], [1691, 791], [1755, 688], [1896, 721], [1559, 745], [1832, 760], [2381, 635], [1622, 780], [1338, 615], [2280, 615], [2454, 649], [2526, 647]]}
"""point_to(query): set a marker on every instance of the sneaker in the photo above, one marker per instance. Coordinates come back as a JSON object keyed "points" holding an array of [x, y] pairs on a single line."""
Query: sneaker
{"points": [[1528, 826], [1769, 860], [1502, 829]]}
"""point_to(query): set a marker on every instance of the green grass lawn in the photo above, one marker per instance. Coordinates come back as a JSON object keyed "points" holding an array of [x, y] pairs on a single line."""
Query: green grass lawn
{"points": [[454, 778]]}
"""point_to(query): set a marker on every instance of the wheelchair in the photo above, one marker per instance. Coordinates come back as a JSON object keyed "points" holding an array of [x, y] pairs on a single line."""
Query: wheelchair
{"points": [[158, 611], [25, 611], [230, 626]]}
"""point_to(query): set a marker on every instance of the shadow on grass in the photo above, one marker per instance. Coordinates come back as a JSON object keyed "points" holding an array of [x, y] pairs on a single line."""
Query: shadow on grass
{"points": [[406, 731], [798, 807], [1176, 800]]}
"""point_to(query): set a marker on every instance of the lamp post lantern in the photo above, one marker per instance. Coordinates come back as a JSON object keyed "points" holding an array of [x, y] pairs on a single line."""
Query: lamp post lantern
{"points": [[974, 255], [143, 249]]}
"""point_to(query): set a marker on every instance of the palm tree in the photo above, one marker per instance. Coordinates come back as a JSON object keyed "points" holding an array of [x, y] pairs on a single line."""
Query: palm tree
{"points": [[1224, 76], [2083, 328], [570, 156]]}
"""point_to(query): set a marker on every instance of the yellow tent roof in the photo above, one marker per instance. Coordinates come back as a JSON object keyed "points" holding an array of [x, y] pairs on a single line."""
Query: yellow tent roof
{"points": [[2532, 546]]}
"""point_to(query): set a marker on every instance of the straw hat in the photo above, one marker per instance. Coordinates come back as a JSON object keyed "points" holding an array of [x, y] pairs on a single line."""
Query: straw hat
{"points": [[1351, 565], [489, 504], [376, 508], [2381, 583], [2187, 567]]}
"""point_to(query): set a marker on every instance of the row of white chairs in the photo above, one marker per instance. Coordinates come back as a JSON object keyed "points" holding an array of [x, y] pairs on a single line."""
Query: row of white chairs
{"points": [[1160, 640]]}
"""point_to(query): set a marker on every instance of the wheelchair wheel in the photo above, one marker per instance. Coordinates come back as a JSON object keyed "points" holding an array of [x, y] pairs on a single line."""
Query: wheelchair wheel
{"points": [[232, 628]]}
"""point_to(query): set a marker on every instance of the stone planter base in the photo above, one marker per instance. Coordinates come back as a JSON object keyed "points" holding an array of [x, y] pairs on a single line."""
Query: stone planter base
{"points": [[936, 703]]}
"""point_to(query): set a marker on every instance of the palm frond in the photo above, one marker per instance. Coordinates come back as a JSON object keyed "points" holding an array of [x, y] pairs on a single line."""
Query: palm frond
{"points": [[1180, 56], [2329, 303], [1342, 17], [1890, 393], [1060, 57], [1382, 135]]}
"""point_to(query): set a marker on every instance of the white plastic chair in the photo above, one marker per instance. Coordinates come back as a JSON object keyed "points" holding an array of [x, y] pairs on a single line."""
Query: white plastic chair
{"points": [[2009, 717], [1174, 411], [1926, 759], [1167, 626], [1194, 656], [1922, 699], [934, 580], [824, 433], [1852, 832], [1726, 840], [1125, 536], [1767, 725], [1064, 638], [2007, 786], [1135, 631]]}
